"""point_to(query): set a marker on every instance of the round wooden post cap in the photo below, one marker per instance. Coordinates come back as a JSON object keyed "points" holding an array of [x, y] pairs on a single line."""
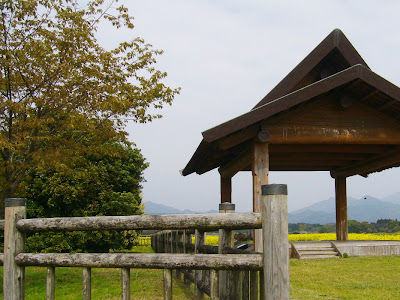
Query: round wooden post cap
{"points": [[274, 189], [226, 206], [12, 202]]}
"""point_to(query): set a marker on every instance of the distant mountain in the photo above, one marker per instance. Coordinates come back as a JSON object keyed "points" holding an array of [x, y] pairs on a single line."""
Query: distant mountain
{"points": [[395, 198], [368, 209], [152, 208]]}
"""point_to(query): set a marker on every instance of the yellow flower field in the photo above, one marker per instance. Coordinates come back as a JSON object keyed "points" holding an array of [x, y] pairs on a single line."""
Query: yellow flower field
{"points": [[352, 236], [213, 240]]}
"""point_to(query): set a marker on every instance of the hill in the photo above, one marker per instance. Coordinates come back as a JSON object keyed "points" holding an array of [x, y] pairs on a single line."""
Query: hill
{"points": [[367, 208], [152, 208]]}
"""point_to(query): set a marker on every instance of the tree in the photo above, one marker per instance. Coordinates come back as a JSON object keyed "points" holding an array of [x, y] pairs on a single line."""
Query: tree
{"points": [[106, 184], [64, 96]]}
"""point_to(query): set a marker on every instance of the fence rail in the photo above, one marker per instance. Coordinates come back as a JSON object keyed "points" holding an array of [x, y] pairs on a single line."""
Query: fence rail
{"points": [[206, 222], [212, 273]]}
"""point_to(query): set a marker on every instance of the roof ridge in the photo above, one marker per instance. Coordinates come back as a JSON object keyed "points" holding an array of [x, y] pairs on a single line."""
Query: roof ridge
{"points": [[335, 40]]}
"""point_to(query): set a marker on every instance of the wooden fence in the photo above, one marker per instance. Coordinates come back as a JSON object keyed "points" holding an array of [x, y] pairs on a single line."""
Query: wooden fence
{"points": [[272, 263]]}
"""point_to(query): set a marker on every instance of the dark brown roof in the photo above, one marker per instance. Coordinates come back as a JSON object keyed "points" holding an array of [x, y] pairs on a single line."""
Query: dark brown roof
{"points": [[231, 140], [334, 54]]}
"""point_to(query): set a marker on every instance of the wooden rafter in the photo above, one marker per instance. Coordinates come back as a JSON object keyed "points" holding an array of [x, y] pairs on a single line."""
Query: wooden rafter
{"points": [[371, 165]]}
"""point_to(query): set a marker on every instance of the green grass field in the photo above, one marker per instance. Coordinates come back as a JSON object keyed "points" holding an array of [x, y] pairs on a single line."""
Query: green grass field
{"points": [[350, 278]]}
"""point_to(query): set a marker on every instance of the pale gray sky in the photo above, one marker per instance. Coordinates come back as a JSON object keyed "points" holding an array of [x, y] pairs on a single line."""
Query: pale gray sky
{"points": [[227, 55]]}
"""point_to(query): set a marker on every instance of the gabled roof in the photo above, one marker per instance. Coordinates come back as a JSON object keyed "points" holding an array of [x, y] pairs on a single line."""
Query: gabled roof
{"points": [[333, 69], [334, 54], [304, 94], [378, 93]]}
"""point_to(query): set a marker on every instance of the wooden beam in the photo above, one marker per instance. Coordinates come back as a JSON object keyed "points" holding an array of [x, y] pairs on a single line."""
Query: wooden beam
{"points": [[226, 189], [321, 148], [260, 171], [370, 95], [324, 156], [379, 162], [329, 135], [236, 164], [239, 137], [341, 208]]}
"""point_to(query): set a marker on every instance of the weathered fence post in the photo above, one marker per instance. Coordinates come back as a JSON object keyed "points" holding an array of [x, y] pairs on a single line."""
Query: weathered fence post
{"points": [[14, 243], [87, 283], [167, 284], [214, 285], [51, 283], [254, 284], [200, 239], [275, 241], [186, 240], [179, 249], [126, 283], [226, 239]]}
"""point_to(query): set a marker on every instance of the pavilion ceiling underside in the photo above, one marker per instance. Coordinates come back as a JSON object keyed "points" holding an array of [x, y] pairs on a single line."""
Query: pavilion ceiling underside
{"points": [[312, 157]]}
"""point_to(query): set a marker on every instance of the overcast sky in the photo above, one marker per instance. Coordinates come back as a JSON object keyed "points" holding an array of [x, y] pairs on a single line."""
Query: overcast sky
{"points": [[226, 56]]}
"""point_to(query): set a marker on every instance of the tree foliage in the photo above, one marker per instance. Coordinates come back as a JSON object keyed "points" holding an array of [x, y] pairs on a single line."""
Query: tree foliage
{"points": [[100, 185], [63, 95]]}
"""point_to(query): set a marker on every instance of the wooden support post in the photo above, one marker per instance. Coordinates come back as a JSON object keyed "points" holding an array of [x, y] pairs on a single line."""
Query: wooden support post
{"points": [[87, 283], [200, 239], [14, 243], [260, 171], [226, 239], [214, 285], [167, 284], [126, 283], [226, 189], [275, 239], [341, 209], [51, 283], [254, 284]]}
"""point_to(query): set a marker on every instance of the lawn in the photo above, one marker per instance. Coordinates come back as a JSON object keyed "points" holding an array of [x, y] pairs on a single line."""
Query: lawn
{"points": [[350, 278]]}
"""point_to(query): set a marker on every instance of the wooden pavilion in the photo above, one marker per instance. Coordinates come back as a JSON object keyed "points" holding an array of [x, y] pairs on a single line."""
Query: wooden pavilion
{"points": [[330, 113]]}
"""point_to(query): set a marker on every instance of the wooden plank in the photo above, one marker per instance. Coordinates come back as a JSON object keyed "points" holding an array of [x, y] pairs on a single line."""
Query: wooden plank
{"points": [[143, 260], [87, 283], [167, 284], [126, 283], [204, 222], [14, 243], [214, 285], [50, 283], [332, 135], [187, 239], [245, 275], [260, 167], [226, 239], [226, 189], [321, 148], [275, 239], [321, 156], [254, 284], [200, 239], [341, 209]]}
